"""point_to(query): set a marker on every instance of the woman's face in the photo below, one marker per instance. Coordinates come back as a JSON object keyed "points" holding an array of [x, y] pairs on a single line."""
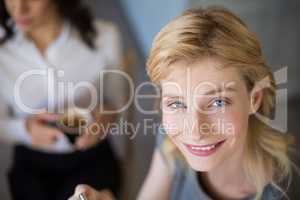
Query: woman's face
{"points": [[205, 112], [31, 14]]}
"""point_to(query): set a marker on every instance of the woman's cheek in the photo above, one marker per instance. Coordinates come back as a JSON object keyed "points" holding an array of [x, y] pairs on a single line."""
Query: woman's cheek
{"points": [[217, 124], [238, 130], [172, 123]]}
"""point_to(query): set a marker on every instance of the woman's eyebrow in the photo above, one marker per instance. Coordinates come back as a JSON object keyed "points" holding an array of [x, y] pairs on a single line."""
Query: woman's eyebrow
{"points": [[218, 90], [173, 96], [207, 92]]}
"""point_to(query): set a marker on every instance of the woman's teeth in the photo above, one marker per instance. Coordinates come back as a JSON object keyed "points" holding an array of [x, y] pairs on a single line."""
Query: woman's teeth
{"points": [[204, 150], [207, 148]]}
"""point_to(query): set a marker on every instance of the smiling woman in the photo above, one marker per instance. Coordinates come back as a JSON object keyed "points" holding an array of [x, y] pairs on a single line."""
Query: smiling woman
{"points": [[204, 50], [209, 67]]}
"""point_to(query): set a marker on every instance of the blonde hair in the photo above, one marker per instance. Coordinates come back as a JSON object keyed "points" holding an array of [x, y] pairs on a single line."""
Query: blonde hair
{"points": [[217, 32]]}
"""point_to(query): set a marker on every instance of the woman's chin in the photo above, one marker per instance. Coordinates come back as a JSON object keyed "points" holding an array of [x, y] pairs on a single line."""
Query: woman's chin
{"points": [[202, 166], [25, 28]]}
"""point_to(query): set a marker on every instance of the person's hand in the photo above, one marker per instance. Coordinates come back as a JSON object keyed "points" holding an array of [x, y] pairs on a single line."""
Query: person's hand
{"points": [[95, 132], [91, 194], [42, 135]]}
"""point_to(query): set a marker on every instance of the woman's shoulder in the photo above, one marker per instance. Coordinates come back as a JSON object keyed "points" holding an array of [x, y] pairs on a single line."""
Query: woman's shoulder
{"points": [[104, 27], [108, 36], [271, 192]]}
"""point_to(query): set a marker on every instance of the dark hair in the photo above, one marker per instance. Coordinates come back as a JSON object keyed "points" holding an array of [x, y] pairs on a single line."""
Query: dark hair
{"points": [[73, 11]]}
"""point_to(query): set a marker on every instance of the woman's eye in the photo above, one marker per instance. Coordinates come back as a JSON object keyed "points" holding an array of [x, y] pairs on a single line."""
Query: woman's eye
{"points": [[219, 103], [176, 105]]}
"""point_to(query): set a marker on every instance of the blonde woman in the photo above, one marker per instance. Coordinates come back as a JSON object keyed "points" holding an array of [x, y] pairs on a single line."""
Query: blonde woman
{"points": [[212, 75]]}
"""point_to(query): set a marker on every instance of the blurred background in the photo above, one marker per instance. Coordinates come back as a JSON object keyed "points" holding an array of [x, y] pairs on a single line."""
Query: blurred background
{"points": [[276, 23]]}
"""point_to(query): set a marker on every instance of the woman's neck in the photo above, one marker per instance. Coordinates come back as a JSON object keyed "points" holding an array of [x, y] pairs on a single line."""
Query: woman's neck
{"points": [[44, 35], [228, 180]]}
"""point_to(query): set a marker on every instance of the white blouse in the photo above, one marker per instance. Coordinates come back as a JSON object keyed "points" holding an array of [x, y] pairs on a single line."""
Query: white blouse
{"points": [[25, 86]]}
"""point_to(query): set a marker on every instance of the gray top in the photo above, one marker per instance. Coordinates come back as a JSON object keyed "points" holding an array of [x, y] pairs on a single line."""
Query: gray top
{"points": [[185, 184]]}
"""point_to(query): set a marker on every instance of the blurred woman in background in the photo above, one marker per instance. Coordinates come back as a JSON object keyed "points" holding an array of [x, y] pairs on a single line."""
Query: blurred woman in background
{"points": [[62, 36]]}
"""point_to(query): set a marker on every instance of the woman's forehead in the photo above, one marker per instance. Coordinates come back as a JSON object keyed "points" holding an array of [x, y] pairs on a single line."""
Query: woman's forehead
{"points": [[208, 69], [203, 77], [203, 90]]}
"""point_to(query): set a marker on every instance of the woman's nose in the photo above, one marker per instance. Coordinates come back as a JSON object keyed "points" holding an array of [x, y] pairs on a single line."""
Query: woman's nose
{"points": [[20, 7], [198, 126]]}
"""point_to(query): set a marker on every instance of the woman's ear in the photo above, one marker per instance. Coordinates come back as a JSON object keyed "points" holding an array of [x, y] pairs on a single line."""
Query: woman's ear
{"points": [[256, 96]]}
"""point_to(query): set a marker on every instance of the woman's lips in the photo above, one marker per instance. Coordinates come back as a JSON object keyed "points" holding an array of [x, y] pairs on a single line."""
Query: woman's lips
{"points": [[203, 150], [23, 21]]}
